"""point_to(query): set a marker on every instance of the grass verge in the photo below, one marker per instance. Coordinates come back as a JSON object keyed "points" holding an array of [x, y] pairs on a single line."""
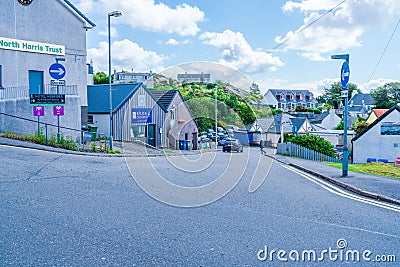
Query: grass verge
{"points": [[381, 169]]}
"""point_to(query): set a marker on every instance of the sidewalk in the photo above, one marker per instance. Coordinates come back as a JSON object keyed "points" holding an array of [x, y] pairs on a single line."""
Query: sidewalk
{"points": [[378, 187], [128, 149]]}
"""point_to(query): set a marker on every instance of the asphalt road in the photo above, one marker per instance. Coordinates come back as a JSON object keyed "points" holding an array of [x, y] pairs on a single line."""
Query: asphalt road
{"points": [[69, 210]]}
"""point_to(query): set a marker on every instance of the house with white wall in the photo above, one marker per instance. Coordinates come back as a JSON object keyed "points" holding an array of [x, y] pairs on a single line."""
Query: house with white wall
{"points": [[285, 99], [33, 36], [380, 140]]}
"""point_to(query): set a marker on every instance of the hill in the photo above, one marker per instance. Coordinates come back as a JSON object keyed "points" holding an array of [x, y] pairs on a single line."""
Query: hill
{"points": [[233, 104]]}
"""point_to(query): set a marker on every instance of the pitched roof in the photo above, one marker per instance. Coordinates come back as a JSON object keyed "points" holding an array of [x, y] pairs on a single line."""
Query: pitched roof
{"points": [[99, 96], [165, 97], [91, 24], [286, 119], [357, 100], [396, 107], [379, 111], [297, 123]]}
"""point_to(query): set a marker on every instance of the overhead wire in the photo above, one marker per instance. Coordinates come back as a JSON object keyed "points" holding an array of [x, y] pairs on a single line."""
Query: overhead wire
{"points": [[384, 51], [309, 25]]}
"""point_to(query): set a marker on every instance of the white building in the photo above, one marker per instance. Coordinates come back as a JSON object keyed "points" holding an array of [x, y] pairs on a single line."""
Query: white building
{"points": [[32, 38], [285, 99], [381, 140], [134, 77]]}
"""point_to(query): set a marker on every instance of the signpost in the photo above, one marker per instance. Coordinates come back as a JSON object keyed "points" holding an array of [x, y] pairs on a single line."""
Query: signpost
{"points": [[58, 110], [57, 82], [57, 71], [344, 78], [39, 112], [47, 99]]}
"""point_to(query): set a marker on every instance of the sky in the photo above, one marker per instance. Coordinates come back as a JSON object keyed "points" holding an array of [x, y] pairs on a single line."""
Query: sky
{"points": [[275, 43]]}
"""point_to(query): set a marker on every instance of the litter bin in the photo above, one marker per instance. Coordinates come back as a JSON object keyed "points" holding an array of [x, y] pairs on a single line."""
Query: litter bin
{"points": [[187, 144], [93, 129], [181, 145]]}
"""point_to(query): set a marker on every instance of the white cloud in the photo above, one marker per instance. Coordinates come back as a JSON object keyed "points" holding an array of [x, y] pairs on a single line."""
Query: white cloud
{"points": [[150, 16], [113, 32], [172, 41], [126, 55], [175, 42], [237, 53], [309, 5], [367, 87], [340, 29]]}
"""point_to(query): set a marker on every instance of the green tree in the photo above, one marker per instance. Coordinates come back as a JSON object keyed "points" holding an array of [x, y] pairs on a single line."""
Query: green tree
{"points": [[386, 96], [332, 95], [360, 125], [100, 78], [254, 89]]}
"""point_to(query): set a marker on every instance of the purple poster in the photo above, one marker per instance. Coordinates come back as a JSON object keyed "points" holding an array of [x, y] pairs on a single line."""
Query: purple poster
{"points": [[38, 111], [58, 110]]}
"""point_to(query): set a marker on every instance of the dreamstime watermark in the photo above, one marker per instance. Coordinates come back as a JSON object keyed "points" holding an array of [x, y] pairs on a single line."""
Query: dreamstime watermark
{"points": [[226, 172], [339, 253]]}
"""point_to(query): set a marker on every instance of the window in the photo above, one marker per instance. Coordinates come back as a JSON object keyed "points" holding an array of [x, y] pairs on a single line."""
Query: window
{"points": [[1, 78], [90, 119], [301, 96], [138, 131], [390, 128], [172, 113]]}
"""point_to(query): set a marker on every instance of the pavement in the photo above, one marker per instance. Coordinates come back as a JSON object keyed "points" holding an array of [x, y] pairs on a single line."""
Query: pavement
{"points": [[377, 187]]}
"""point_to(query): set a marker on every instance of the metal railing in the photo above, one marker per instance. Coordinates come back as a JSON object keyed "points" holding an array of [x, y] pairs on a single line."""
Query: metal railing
{"points": [[20, 92], [295, 150]]}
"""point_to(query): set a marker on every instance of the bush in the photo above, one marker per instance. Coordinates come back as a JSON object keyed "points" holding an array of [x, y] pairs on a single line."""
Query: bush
{"points": [[313, 142]]}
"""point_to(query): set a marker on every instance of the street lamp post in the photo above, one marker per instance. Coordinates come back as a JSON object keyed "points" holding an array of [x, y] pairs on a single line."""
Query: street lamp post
{"points": [[344, 76], [111, 14]]}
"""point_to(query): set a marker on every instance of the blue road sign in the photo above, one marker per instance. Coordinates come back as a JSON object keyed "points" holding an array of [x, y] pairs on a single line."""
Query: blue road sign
{"points": [[345, 74], [57, 71]]}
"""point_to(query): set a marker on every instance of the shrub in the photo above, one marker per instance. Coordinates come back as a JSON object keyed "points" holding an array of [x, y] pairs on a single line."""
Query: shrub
{"points": [[313, 142]]}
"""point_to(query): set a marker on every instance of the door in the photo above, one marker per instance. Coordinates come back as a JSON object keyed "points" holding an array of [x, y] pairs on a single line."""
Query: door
{"points": [[35, 82], [151, 137]]}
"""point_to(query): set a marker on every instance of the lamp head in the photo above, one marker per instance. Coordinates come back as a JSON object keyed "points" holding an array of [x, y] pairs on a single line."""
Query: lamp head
{"points": [[115, 14]]}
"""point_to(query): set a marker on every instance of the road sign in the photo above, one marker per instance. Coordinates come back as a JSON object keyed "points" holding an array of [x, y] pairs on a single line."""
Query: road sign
{"points": [[345, 74], [87, 137], [57, 71], [57, 82], [344, 93], [38, 111], [58, 110], [47, 99]]}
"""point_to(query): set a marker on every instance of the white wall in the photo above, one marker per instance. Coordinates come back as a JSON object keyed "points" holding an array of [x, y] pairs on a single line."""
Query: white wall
{"points": [[271, 100], [102, 121], [374, 145]]}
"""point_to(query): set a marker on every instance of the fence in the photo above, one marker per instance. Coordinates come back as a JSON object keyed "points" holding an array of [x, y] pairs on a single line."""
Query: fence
{"points": [[17, 92], [50, 131], [295, 150]]}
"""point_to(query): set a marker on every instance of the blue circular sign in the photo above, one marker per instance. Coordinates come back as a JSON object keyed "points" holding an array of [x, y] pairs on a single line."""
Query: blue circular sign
{"points": [[345, 74], [57, 71]]}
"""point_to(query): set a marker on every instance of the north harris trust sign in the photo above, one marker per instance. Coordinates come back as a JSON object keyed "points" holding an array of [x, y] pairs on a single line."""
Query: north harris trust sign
{"points": [[31, 46]]}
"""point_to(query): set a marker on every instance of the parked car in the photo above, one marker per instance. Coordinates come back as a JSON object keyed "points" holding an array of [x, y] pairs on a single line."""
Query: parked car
{"points": [[223, 141], [233, 145]]}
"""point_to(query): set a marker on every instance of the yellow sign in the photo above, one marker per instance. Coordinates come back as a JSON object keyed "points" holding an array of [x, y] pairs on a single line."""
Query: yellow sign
{"points": [[31, 46]]}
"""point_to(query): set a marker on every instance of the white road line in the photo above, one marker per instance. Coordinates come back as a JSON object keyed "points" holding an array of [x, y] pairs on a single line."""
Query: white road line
{"points": [[335, 190]]}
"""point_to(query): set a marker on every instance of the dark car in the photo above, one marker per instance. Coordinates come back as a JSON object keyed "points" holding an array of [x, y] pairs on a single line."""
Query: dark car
{"points": [[233, 145]]}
